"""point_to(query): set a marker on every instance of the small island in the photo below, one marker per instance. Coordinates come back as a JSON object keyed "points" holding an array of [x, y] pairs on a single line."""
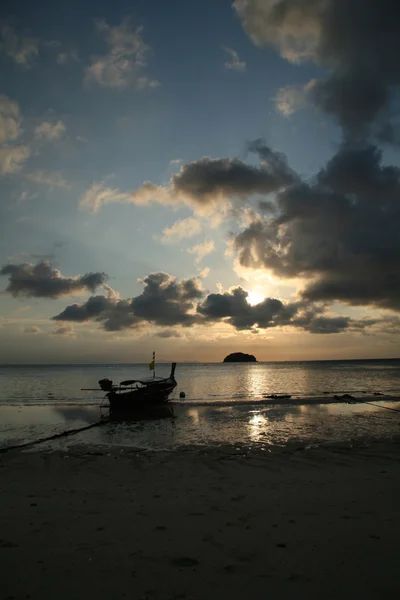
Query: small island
{"points": [[240, 357]]}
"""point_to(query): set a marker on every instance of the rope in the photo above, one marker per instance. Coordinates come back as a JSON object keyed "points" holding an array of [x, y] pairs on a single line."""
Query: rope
{"points": [[53, 437], [385, 407]]}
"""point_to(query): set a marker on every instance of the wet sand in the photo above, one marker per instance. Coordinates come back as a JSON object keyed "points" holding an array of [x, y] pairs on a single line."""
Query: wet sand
{"points": [[191, 524]]}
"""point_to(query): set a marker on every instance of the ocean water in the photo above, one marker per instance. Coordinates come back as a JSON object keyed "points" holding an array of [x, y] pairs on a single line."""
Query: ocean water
{"points": [[223, 404]]}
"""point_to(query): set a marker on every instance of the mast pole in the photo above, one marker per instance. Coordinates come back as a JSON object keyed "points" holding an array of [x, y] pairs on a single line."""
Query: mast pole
{"points": [[154, 361]]}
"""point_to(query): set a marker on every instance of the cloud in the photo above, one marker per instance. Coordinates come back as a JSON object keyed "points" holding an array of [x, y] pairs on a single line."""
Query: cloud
{"points": [[98, 195], [42, 281], [22, 50], [338, 232], [12, 156], [50, 131], [205, 184], [64, 58], [233, 307], [292, 97], [184, 228], [126, 58], [50, 179], [204, 273], [234, 63], [168, 333], [63, 329], [30, 255], [344, 38], [164, 301], [33, 329], [10, 119], [167, 302], [211, 180], [114, 314], [201, 250]]}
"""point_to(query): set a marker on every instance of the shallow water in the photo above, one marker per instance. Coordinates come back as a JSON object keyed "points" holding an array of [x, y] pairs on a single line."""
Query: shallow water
{"points": [[224, 404], [241, 425], [203, 382]]}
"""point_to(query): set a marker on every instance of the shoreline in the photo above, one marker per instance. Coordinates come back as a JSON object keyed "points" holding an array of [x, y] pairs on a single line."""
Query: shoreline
{"points": [[252, 425], [194, 524]]}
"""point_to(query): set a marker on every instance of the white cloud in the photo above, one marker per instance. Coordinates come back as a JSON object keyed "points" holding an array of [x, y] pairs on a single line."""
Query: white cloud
{"points": [[51, 179], [12, 158], [25, 196], [32, 329], [98, 194], [204, 272], [201, 250], [124, 63], [292, 97], [23, 50], [50, 131], [10, 119], [184, 228], [63, 329], [64, 58], [234, 63]]}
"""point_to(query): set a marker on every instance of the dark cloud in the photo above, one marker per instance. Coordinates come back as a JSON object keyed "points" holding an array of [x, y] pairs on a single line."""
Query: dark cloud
{"points": [[166, 302], [340, 232], [168, 333], [357, 41], [42, 281], [208, 179], [233, 308], [114, 314]]}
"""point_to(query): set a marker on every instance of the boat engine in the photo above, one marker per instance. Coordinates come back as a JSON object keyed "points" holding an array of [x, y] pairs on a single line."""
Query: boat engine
{"points": [[106, 384]]}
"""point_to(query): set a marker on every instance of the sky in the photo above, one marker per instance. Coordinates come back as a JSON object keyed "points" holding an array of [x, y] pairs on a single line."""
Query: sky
{"points": [[199, 178]]}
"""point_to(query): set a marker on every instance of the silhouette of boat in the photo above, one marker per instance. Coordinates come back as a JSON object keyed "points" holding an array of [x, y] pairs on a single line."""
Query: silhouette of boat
{"points": [[138, 394]]}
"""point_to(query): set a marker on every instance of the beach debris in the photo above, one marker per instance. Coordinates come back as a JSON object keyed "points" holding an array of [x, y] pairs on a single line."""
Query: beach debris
{"points": [[182, 395], [184, 561], [278, 396], [231, 568], [344, 397], [7, 544]]}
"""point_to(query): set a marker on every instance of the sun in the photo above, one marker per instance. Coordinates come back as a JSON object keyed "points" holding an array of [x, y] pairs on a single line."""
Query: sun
{"points": [[255, 297]]}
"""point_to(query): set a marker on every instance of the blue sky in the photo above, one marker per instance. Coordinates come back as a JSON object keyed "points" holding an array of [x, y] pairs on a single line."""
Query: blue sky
{"points": [[192, 84]]}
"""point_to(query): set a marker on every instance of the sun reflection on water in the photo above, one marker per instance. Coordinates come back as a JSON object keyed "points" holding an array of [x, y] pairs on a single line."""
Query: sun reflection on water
{"points": [[257, 426]]}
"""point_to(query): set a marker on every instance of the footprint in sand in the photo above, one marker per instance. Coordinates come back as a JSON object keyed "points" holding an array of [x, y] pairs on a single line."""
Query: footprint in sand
{"points": [[7, 544], [184, 561]]}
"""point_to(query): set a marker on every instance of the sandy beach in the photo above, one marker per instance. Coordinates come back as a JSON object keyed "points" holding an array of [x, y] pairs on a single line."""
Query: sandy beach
{"points": [[192, 524]]}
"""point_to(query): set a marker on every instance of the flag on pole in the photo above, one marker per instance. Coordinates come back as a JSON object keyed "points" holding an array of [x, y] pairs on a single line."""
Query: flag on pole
{"points": [[152, 365]]}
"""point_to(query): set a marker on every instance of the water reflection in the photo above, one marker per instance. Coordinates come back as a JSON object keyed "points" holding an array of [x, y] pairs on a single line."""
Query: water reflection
{"points": [[154, 412], [257, 425], [199, 426]]}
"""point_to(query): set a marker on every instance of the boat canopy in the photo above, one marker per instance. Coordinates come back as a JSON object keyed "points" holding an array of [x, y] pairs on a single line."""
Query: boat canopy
{"points": [[143, 381]]}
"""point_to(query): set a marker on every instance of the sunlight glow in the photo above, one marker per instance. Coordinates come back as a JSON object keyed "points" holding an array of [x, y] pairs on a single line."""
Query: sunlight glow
{"points": [[255, 297]]}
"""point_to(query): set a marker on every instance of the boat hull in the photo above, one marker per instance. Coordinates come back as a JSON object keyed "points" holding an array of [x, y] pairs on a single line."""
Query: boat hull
{"points": [[140, 398]]}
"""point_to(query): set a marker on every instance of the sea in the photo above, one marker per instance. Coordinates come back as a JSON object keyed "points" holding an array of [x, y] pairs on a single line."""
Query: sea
{"points": [[50, 407]]}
